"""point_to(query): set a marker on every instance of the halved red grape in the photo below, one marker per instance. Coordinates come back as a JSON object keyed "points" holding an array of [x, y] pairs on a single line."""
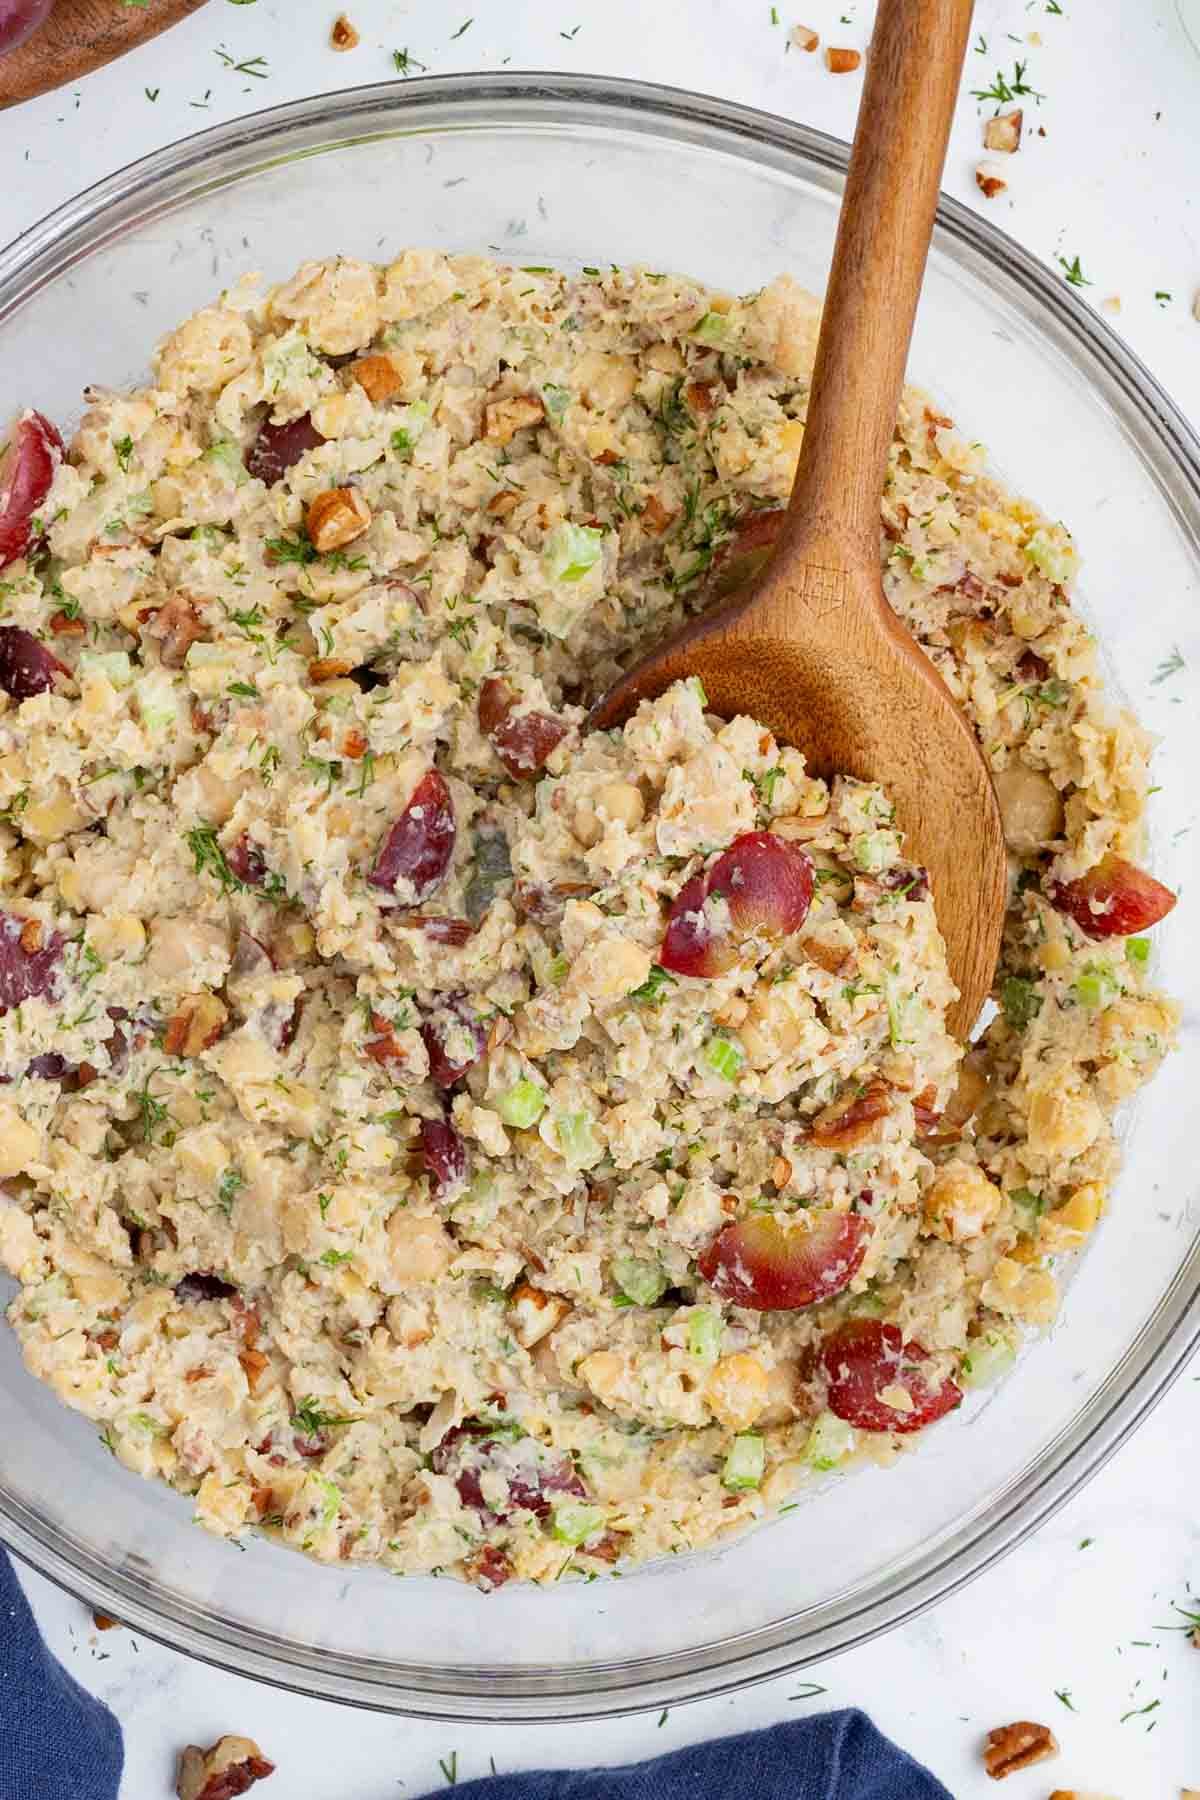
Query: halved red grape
{"points": [[247, 861], [695, 942], [533, 1473], [31, 456], [29, 961], [1115, 899], [27, 666], [277, 447], [444, 1155], [766, 881], [455, 1040], [774, 1267], [522, 741], [862, 1359], [419, 846]]}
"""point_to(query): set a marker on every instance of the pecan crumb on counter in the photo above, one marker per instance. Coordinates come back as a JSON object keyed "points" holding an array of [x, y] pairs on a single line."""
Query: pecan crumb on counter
{"points": [[1017, 1746], [343, 35], [226, 1769], [802, 37], [842, 62]]}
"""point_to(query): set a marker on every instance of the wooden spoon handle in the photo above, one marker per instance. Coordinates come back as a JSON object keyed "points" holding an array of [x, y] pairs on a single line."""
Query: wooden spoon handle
{"points": [[79, 36], [913, 71]]}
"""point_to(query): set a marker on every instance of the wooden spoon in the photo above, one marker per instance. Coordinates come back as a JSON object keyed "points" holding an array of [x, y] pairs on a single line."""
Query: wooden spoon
{"points": [[79, 36], [811, 647]]}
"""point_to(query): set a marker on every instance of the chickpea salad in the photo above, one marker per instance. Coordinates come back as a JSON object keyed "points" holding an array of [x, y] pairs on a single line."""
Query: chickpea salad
{"points": [[439, 1137]]}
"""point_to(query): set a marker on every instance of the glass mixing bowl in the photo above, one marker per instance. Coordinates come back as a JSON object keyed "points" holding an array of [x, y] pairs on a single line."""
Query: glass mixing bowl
{"points": [[551, 169]]}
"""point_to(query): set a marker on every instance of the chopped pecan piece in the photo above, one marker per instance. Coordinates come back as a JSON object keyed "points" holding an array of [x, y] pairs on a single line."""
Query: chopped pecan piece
{"points": [[196, 1023], [263, 1501], [925, 1110], [254, 1367], [1017, 1746], [852, 1118], [64, 624], [535, 1313], [504, 417], [175, 627], [30, 938], [803, 37], [487, 1569], [989, 182], [328, 668], [378, 377], [335, 518], [226, 1769], [1003, 133], [105, 1622], [699, 396], [655, 516], [354, 744], [842, 62], [830, 957], [501, 504], [343, 36]]}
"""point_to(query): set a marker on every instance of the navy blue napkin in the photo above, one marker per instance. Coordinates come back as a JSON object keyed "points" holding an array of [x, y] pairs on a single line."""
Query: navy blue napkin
{"points": [[57, 1743], [833, 1756]]}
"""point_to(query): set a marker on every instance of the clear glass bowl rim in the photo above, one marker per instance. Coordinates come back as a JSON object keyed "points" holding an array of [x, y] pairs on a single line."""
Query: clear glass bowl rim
{"points": [[206, 162]]}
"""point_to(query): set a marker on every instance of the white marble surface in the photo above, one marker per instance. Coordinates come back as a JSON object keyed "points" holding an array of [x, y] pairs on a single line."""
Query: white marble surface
{"points": [[1113, 182]]}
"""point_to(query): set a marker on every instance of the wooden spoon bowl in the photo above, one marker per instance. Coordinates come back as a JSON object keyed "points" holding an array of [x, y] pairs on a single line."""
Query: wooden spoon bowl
{"points": [[810, 646]]}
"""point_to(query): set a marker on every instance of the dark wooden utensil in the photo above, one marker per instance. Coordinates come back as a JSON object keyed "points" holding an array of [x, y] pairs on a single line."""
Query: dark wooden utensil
{"points": [[811, 647], [79, 36]]}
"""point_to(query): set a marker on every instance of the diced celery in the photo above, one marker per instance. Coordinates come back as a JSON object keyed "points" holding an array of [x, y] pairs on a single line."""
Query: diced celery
{"points": [[745, 1463], [332, 1502], [288, 360], [1028, 1207], [724, 1057], [899, 1009], [571, 550], [873, 850], [411, 423], [114, 665], [698, 688], [1054, 558], [1096, 986], [157, 701], [829, 1442], [556, 970], [705, 1329], [522, 1105], [556, 400], [37, 1301], [575, 1522], [478, 1206], [641, 1281], [145, 1422], [577, 1139], [1137, 951], [713, 329], [226, 454], [986, 1359], [211, 536]]}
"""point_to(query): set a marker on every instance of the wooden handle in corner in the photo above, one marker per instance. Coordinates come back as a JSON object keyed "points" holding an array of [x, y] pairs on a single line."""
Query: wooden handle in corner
{"points": [[79, 36], [914, 67]]}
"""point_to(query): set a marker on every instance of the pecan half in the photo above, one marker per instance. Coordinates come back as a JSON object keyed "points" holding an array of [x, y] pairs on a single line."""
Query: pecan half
{"points": [[1017, 1746], [851, 1119], [226, 1769]]}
